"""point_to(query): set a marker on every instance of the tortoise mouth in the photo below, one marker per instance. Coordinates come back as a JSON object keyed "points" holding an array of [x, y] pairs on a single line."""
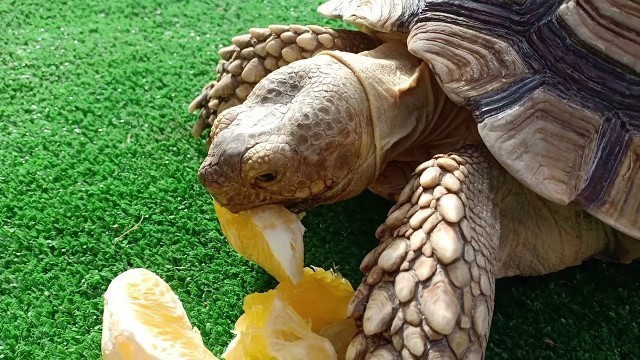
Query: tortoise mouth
{"points": [[296, 206]]}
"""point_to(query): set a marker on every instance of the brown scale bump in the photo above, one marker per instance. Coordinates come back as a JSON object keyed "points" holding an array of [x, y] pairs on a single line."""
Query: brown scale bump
{"points": [[440, 308], [396, 340], [458, 341], [260, 34], [380, 309], [425, 267], [446, 243], [393, 255], [248, 53], [227, 52], [243, 91], [414, 340], [465, 322], [430, 177], [288, 37], [411, 313], [357, 348], [242, 41], [357, 305], [417, 239], [372, 257], [225, 87], [271, 63], [299, 29], [485, 283], [261, 49], [425, 198], [317, 29], [416, 194], [439, 350], [397, 323], [214, 104], [427, 164], [431, 222], [457, 159], [396, 218], [278, 29], [274, 47], [420, 217], [427, 249], [326, 40], [466, 229], [236, 67], [307, 41], [384, 353], [451, 182], [447, 164], [374, 276], [475, 288], [451, 208], [481, 318], [459, 273], [438, 192]]}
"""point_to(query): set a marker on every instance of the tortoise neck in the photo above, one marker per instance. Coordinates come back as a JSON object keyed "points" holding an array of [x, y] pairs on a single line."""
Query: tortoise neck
{"points": [[411, 116], [446, 126]]}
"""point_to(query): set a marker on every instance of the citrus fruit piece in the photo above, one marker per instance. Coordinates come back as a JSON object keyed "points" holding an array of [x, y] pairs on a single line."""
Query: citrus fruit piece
{"points": [[286, 323], [321, 296], [144, 319], [271, 329], [270, 236]]}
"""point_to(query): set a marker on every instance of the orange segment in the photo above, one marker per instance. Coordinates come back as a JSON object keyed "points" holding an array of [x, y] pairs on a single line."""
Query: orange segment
{"points": [[270, 235], [301, 321], [144, 319], [322, 296]]}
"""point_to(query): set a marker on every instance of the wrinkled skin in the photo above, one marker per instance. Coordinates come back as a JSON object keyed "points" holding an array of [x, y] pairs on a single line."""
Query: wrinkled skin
{"points": [[300, 139]]}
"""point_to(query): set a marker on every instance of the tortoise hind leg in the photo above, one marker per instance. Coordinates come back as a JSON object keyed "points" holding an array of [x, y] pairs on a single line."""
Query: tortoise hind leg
{"points": [[429, 288], [627, 249], [252, 56]]}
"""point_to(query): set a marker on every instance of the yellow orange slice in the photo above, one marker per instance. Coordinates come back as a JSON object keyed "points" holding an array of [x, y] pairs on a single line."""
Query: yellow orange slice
{"points": [[144, 319], [269, 235], [301, 321]]}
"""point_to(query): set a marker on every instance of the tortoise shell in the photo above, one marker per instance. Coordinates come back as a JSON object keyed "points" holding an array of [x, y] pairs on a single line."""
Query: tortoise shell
{"points": [[553, 85]]}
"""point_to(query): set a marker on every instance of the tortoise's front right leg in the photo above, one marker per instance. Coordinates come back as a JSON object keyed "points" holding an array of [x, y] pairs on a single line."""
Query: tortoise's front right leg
{"points": [[429, 286], [252, 56]]}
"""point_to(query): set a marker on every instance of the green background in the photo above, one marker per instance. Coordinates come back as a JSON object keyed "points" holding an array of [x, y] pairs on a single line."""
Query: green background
{"points": [[94, 135]]}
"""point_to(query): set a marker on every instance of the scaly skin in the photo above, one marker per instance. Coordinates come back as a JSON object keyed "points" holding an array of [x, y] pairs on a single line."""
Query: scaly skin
{"points": [[323, 129], [460, 222], [254, 55]]}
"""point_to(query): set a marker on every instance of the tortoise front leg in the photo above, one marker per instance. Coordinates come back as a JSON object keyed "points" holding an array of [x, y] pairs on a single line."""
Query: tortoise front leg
{"points": [[429, 286], [252, 56]]}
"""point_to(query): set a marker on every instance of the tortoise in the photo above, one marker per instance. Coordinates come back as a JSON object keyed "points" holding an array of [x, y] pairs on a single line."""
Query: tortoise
{"points": [[506, 132]]}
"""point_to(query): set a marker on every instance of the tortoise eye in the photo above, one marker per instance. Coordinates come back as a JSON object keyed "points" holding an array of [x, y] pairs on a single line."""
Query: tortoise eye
{"points": [[266, 178]]}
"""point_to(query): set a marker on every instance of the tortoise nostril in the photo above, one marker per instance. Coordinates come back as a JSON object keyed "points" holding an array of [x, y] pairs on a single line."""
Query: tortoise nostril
{"points": [[266, 178]]}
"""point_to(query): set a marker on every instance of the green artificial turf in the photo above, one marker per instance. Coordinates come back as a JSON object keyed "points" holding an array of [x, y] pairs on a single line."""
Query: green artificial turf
{"points": [[95, 136]]}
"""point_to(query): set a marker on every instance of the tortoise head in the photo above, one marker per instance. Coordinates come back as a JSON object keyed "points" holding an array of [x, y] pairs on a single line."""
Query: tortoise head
{"points": [[302, 138]]}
